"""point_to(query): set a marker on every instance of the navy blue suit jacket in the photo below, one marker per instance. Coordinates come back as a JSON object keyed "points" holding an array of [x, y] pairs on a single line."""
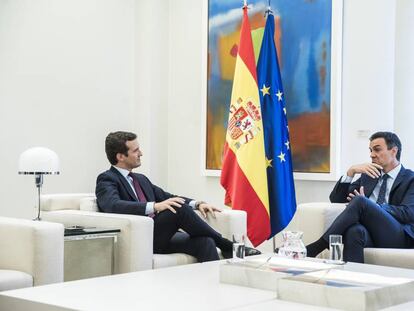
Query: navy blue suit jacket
{"points": [[115, 195], [401, 200]]}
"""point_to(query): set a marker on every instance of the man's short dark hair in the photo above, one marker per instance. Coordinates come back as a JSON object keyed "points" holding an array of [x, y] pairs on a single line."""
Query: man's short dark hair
{"points": [[391, 140], [116, 143]]}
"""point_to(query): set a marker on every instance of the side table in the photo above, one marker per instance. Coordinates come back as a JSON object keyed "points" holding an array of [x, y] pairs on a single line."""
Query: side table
{"points": [[89, 252]]}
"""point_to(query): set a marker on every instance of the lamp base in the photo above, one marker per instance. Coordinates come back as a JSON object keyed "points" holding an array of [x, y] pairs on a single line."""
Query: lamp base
{"points": [[39, 183]]}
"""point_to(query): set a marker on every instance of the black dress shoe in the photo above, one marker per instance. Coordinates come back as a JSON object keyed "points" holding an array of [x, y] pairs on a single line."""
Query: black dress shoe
{"points": [[227, 254], [249, 251]]}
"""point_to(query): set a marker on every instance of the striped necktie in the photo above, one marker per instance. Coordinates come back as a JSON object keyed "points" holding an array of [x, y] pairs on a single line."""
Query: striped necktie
{"points": [[383, 189]]}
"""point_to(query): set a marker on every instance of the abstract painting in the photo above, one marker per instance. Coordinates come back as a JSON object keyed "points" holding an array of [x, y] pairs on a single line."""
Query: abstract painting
{"points": [[303, 37]]}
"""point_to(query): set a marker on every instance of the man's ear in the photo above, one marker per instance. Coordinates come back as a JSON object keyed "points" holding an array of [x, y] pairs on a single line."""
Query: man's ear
{"points": [[394, 150], [119, 157]]}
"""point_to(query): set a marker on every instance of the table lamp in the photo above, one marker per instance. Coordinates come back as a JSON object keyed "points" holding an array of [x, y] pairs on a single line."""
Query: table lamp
{"points": [[38, 161]]}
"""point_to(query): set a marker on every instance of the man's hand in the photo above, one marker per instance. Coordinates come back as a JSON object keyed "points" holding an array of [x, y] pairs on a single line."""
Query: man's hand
{"points": [[356, 193], [205, 208], [371, 169], [169, 204]]}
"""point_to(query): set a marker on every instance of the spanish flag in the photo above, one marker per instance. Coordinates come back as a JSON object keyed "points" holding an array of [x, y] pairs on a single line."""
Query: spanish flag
{"points": [[243, 174]]}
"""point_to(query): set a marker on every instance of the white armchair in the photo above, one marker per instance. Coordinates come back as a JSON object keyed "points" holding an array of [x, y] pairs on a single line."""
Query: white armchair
{"points": [[31, 253], [315, 218], [133, 250]]}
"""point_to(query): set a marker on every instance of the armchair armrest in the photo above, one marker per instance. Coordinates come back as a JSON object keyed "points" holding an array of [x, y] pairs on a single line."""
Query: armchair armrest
{"points": [[34, 247], [133, 250]]}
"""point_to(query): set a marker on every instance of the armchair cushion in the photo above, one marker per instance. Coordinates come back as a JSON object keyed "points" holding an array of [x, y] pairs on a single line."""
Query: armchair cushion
{"points": [[170, 260], [12, 279], [67, 201], [88, 204]]}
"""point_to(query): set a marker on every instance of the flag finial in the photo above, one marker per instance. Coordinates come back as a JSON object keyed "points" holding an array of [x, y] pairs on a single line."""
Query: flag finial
{"points": [[269, 9]]}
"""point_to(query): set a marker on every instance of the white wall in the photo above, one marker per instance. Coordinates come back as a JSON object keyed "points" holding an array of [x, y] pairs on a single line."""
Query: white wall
{"points": [[151, 86], [66, 80], [184, 106], [404, 77]]}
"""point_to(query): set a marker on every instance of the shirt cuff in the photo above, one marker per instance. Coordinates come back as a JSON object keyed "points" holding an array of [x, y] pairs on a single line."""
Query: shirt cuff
{"points": [[149, 208], [346, 179], [193, 204]]}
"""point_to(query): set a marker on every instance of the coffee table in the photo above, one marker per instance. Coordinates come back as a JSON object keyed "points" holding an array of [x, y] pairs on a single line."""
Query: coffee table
{"points": [[188, 287]]}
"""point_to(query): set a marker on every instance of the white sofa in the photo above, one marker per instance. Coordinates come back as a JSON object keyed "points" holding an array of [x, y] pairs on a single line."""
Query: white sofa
{"points": [[133, 250], [31, 253], [314, 218]]}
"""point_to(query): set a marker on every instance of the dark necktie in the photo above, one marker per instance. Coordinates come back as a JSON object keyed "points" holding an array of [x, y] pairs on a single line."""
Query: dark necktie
{"points": [[383, 189], [138, 189]]}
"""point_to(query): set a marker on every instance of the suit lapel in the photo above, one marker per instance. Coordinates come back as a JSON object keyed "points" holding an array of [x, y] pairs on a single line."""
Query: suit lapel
{"points": [[124, 183], [369, 185], [398, 180]]}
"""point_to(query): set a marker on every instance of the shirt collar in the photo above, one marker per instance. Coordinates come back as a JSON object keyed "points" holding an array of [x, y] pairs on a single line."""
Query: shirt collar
{"points": [[394, 172], [123, 171]]}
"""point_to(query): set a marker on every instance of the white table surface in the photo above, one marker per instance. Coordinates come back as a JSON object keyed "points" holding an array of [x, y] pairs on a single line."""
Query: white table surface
{"points": [[190, 287]]}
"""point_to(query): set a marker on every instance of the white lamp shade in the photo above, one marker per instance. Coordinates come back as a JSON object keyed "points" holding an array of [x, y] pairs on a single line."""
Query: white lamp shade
{"points": [[39, 160]]}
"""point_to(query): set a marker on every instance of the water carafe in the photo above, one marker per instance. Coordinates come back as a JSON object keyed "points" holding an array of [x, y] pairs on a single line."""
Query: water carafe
{"points": [[292, 245]]}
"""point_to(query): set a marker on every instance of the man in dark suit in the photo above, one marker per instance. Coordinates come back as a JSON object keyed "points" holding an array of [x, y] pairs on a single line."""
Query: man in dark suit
{"points": [[380, 212], [118, 190]]}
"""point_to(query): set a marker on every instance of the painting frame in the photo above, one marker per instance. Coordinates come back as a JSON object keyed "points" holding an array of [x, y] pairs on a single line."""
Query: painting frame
{"points": [[335, 96]]}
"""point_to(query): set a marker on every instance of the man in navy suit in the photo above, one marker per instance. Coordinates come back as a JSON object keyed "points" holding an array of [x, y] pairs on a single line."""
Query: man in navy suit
{"points": [[119, 190], [380, 212]]}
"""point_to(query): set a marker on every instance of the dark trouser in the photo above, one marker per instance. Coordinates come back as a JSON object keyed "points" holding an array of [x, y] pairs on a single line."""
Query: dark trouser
{"points": [[200, 241], [364, 223]]}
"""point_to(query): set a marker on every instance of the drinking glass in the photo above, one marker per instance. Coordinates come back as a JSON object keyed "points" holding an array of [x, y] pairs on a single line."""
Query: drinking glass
{"points": [[238, 246], [336, 248]]}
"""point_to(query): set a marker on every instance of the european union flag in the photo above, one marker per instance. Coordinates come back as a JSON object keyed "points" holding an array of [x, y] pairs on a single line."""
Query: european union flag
{"points": [[282, 200]]}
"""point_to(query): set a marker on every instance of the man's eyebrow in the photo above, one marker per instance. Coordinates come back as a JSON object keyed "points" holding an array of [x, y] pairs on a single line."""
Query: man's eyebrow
{"points": [[375, 146]]}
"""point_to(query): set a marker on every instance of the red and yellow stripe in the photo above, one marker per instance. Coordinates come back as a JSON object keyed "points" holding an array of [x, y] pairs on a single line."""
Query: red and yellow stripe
{"points": [[243, 173]]}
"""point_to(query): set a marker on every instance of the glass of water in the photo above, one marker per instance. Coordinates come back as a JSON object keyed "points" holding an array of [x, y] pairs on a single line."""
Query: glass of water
{"points": [[238, 246], [336, 248]]}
